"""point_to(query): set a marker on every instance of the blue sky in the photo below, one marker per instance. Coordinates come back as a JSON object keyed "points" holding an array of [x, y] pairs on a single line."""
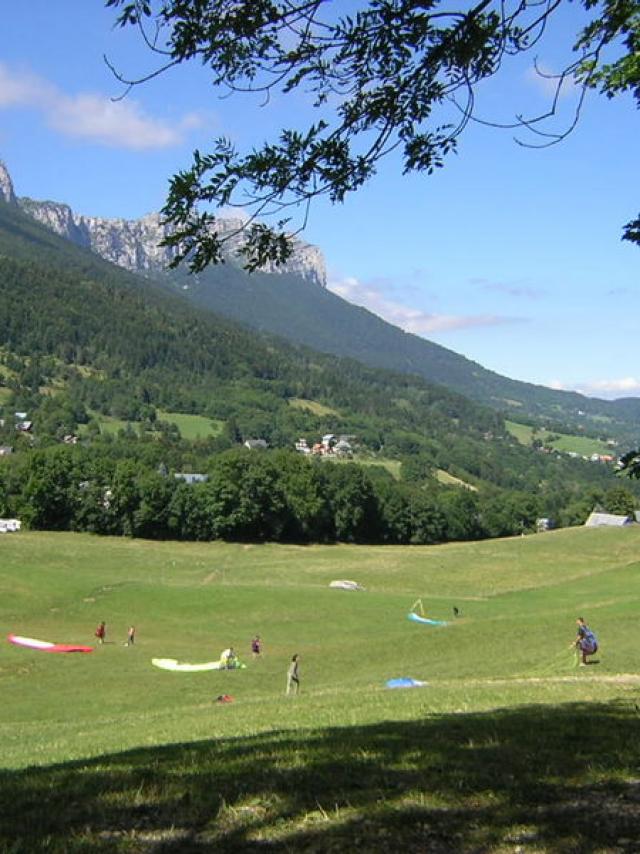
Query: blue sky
{"points": [[509, 255]]}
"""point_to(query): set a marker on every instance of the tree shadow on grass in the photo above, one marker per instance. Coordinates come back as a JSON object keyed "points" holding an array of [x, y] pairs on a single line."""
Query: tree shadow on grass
{"points": [[538, 778]]}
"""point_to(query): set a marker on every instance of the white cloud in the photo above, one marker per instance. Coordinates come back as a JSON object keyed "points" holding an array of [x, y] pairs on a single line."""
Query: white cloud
{"points": [[407, 318], [119, 124], [610, 389], [18, 89], [548, 81]]}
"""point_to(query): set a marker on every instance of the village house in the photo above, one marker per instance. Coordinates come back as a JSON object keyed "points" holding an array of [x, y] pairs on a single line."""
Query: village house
{"points": [[606, 520], [342, 448], [329, 445], [256, 444], [191, 477], [328, 442]]}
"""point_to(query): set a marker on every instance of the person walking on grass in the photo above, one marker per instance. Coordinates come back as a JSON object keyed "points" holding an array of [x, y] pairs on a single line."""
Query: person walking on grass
{"points": [[256, 646], [131, 636], [293, 675], [101, 632], [586, 642]]}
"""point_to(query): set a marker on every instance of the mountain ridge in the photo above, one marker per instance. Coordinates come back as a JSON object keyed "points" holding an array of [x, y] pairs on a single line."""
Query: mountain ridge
{"points": [[136, 244], [295, 304]]}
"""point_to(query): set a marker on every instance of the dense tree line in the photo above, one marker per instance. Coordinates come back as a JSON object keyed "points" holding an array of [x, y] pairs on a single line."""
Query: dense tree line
{"points": [[128, 487]]}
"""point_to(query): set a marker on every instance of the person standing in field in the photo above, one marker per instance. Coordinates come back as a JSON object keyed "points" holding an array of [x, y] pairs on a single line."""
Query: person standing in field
{"points": [[293, 675], [256, 646], [586, 641], [101, 632], [131, 636]]}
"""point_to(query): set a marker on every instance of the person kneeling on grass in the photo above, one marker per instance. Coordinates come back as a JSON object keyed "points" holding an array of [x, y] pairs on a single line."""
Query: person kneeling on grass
{"points": [[228, 659], [586, 641]]}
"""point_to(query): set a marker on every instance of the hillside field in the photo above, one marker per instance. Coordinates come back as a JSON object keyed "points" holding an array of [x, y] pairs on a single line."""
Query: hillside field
{"points": [[509, 746], [565, 442], [190, 426]]}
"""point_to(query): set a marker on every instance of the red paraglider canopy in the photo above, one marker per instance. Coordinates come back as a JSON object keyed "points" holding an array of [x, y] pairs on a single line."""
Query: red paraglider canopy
{"points": [[46, 646]]}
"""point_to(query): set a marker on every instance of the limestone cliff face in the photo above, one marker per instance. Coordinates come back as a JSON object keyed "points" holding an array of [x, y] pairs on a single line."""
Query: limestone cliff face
{"points": [[58, 218], [135, 244], [6, 185]]}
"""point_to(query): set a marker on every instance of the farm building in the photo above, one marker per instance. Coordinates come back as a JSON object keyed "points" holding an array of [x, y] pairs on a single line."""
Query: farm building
{"points": [[191, 477], [599, 520], [256, 444]]}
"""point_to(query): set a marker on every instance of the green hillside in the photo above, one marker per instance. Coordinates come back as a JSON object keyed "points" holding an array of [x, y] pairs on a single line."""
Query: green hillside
{"points": [[96, 356], [559, 441], [507, 740], [304, 312]]}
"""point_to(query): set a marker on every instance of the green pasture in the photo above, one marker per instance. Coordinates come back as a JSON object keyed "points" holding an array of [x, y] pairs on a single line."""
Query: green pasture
{"points": [[565, 442], [392, 466], [192, 426], [449, 480], [313, 406], [509, 744], [108, 424]]}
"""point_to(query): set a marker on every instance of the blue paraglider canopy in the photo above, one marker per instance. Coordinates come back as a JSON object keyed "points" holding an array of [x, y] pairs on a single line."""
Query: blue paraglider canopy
{"points": [[405, 682], [418, 619]]}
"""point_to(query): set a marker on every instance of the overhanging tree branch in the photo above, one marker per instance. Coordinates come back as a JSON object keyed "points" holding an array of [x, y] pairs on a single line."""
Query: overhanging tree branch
{"points": [[380, 78]]}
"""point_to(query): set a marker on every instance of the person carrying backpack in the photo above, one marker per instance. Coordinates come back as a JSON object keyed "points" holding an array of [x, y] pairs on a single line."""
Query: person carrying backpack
{"points": [[586, 641]]}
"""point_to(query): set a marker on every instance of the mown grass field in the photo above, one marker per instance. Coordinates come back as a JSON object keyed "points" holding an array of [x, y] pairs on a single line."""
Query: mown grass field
{"points": [[565, 442], [508, 747], [191, 426], [312, 406]]}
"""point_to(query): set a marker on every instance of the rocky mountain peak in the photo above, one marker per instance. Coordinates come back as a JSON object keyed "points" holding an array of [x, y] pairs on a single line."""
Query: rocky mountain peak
{"points": [[6, 185], [136, 244]]}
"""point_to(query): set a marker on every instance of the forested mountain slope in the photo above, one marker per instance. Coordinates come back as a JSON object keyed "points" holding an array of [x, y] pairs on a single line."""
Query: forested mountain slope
{"points": [[295, 304], [81, 338], [68, 305], [302, 311]]}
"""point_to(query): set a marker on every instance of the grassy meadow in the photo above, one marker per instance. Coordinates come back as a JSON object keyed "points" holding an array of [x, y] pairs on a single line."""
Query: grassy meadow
{"points": [[565, 442], [191, 427], [508, 747]]}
